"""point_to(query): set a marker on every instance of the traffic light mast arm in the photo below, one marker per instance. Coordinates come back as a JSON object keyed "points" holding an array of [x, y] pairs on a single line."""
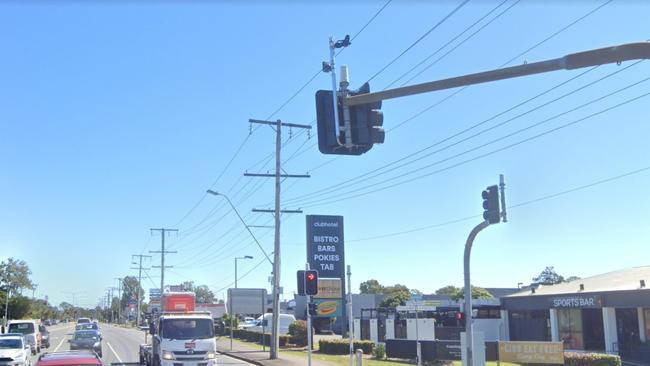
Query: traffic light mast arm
{"points": [[600, 56]]}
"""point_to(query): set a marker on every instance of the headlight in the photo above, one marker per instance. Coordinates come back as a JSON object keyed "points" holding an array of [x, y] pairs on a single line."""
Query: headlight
{"points": [[166, 355], [96, 345], [210, 355]]}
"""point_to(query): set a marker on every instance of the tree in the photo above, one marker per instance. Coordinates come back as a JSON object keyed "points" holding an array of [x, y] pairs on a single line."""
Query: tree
{"points": [[395, 299], [14, 275], [371, 287], [448, 290], [477, 293], [131, 289], [397, 288], [548, 277], [204, 295], [188, 286]]}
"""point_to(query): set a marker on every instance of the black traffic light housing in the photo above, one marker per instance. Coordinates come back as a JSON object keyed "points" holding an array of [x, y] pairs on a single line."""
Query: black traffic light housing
{"points": [[312, 308], [301, 282], [365, 124], [311, 282], [491, 213]]}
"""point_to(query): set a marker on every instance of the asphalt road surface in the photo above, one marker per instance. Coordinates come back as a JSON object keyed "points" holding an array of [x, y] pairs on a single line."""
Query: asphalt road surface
{"points": [[120, 346]]}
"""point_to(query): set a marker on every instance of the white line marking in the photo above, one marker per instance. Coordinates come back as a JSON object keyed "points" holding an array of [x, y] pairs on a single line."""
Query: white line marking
{"points": [[60, 343], [115, 353]]}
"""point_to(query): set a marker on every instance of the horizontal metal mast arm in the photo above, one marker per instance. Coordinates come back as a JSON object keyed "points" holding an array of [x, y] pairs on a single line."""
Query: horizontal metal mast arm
{"points": [[600, 56]]}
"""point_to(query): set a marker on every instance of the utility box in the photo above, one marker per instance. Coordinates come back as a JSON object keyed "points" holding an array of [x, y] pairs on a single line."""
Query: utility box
{"points": [[424, 329]]}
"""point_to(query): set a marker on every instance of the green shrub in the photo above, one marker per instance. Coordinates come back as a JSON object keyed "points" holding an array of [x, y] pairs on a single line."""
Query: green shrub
{"points": [[249, 336], [298, 331], [226, 320], [342, 346], [379, 352], [591, 359]]}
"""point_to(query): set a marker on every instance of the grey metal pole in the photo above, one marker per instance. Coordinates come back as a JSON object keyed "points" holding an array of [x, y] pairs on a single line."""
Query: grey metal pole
{"points": [[137, 316], [162, 263], [7, 306], [418, 348], [275, 341], [469, 339], [309, 338], [334, 92], [350, 317]]}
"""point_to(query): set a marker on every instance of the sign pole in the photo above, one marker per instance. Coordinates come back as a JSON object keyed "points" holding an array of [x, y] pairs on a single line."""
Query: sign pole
{"points": [[309, 340], [350, 317]]}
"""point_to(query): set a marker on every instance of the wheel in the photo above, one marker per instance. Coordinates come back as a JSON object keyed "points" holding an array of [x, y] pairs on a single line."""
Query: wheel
{"points": [[99, 353]]}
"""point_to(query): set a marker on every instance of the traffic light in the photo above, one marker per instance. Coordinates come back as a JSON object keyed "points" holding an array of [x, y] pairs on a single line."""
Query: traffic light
{"points": [[312, 309], [365, 124], [491, 213], [301, 282], [311, 282]]}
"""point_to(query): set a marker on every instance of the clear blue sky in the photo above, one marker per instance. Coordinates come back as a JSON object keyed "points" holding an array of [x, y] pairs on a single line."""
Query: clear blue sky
{"points": [[115, 117]]}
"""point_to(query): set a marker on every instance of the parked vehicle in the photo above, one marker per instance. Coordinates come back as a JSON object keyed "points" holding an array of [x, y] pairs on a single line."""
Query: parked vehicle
{"points": [[263, 323], [28, 328], [86, 339], [70, 358], [14, 350], [180, 335], [45, 336]]}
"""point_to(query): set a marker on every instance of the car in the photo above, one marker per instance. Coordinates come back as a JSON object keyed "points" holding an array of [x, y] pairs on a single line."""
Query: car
{"points": [[83, 320], [47, 322], [263, 323], [247, 322], [89, 326], [28, 328], [45, 336], [69, 358], [14, 350], [86, 339]]}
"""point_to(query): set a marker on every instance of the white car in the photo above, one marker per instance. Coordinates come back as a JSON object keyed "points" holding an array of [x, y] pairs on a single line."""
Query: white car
{"points": [[263, 324], [15, 350]]}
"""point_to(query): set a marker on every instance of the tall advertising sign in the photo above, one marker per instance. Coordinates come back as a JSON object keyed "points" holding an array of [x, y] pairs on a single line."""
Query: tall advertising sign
{"points": [[325, 253]]}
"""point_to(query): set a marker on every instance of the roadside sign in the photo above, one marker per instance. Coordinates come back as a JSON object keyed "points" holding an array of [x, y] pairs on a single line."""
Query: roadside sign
{"points": [[328, 308], [246, 300], [329, 288], [415, 308], [532, 352]]}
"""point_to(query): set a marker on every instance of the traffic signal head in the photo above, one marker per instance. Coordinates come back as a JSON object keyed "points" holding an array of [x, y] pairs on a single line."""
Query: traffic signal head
{"points": [[311, 282], [312, 309], [491, 213], [365, 124], [301, 283]]}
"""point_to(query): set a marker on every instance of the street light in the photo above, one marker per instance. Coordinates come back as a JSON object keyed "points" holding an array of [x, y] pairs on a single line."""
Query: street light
{"points": [[244, 257], [242, 221]]}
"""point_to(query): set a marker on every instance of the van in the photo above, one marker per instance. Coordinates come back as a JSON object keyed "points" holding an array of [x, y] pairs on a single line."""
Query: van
{"points": [[29, 329], [264, 323]]}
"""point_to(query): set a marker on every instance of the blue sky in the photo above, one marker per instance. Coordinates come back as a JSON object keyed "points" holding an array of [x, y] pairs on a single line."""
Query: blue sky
{"points": [[115, 117]]}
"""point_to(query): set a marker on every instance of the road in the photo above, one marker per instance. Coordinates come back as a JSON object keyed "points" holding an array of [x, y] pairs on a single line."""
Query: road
{"points": [[120, 346]]}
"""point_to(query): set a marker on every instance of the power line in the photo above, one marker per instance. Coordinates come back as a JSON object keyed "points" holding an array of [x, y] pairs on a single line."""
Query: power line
{"points": [[461, 43], [521, 204], [435, 26], [448, 43], [323, 201]]}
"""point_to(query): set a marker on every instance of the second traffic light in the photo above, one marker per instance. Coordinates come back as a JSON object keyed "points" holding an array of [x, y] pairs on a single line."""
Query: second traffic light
{"points": [[312, 308], [311, 282], [491, 213]]}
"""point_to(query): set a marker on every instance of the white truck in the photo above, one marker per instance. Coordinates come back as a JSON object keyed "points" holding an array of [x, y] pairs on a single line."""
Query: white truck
{"points": [[180, 335]]}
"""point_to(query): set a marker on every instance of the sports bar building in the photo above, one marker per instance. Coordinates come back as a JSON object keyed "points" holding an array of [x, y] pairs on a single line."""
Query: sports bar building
{"points": [[604, 313]]}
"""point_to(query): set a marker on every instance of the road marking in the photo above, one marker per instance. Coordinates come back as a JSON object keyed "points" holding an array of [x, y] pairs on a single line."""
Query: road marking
{"points": [[115, 353], [60, 343]]}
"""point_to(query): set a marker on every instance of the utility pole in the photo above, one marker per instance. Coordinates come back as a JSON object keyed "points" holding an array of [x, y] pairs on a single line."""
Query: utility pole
{"points": [[275, 339], [162, 252], [119, 301], [139, 256]]}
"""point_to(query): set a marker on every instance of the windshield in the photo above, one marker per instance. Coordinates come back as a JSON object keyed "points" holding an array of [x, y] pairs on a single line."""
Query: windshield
{"points": [[85, 335], [11, 343], [24, 328], [187, 329]]}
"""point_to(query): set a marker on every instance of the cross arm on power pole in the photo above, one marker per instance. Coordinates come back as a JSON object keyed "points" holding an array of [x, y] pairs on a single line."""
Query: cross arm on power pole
{"points": [[275, 123], [267, 210], [578, 60], [273, 175]]}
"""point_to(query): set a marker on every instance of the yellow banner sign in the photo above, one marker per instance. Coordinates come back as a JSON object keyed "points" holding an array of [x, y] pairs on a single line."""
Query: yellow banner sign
{"points": [[329, 288], [532, 352]]}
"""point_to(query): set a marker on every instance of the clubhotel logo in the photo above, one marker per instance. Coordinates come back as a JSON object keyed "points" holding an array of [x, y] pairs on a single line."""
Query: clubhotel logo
{"points": [[326, 224]]}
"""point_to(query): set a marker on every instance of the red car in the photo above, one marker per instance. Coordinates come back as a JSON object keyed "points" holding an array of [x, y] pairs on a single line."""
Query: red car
{"points": [[72, 358]]}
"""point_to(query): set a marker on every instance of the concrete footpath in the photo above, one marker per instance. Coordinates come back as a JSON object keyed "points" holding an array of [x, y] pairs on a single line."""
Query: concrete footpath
{"points": [[254, 355]]}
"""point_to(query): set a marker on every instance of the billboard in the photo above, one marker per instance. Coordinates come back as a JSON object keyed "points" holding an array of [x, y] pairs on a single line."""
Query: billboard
{"points": [[325, 246], [329, 288], [246, 300], [329, 308]]}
